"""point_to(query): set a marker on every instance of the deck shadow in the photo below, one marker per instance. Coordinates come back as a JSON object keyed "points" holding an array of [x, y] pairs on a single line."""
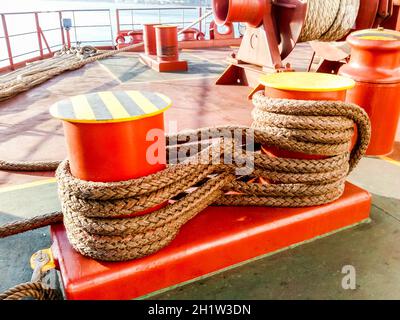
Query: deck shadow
{"points": [[130, 69]]}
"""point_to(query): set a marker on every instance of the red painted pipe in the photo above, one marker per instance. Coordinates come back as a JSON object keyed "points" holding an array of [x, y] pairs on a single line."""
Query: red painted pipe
{"points": [[249, 11]]}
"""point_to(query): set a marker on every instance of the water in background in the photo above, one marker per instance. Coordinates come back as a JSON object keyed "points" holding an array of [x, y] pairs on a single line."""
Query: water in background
{"points": [[94, 28]]}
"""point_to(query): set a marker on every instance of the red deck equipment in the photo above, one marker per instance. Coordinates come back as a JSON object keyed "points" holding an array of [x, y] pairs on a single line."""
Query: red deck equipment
{"points": [[273, 28], [149, 37], [303, 86], [375, 66], [205, 244], [106, 134], [167, 51]]}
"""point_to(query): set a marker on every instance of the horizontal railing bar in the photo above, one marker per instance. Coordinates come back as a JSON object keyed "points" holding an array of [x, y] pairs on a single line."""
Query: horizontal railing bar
{"points": [[38, 50], [24, 54], [167, 22], [162, 8], [55, 11], [91, 41], [51, 29], [22, 34], [93, 26]]}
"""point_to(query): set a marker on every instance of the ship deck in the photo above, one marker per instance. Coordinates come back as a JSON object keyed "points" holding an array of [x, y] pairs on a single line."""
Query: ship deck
{"points": [[310, 271]]}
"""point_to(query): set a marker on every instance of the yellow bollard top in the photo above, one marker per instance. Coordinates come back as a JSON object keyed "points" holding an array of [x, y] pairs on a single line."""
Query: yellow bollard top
{"points": [[306, 81], [110, 106], [377, 34]]}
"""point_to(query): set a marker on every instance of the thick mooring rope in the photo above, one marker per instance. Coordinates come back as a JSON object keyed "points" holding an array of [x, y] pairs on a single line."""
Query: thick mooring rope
{"points": [[34, 290], [93, 210], [90, 209], [329, 20], [33, 75]]}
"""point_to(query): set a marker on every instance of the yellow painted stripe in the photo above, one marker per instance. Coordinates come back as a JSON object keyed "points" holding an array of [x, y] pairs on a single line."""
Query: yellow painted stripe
{"points": [[145, 104], [82, 108], [113, 105], [392, 161], [27, 185], [165, 98]]}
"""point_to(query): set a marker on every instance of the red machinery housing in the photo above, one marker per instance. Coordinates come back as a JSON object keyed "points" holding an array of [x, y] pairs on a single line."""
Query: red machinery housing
{"points": [[274, 28]]}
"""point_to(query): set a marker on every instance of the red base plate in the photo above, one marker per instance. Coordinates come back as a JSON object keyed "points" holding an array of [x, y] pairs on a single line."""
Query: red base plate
{"points": [[217, 238], [164, 66]]}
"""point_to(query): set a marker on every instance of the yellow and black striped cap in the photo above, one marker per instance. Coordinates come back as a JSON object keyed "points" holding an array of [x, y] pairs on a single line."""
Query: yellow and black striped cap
{"points": [[377, 34], [110, 106]]}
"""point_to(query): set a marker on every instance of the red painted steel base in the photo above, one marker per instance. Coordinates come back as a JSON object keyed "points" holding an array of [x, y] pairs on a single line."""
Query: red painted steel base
{"points": [[163, 66], [204, 245]]}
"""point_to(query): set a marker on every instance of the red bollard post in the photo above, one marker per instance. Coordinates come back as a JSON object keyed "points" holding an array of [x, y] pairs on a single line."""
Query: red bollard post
{"points": [[167, 52], [303, 86], [106, 134], [167, 43], [375, 66], [149, 37]]}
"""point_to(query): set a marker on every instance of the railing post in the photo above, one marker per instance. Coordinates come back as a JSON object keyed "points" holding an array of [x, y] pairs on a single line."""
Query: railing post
{"points": [[61, 28], [7, 39], [111, 27], [200, 23], [39, 35], [117, 16], [75, 32]]}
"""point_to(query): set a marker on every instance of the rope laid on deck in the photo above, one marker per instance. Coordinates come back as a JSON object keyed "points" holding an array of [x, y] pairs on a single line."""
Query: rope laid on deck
{"points": [[98, 216], [36, 73]]}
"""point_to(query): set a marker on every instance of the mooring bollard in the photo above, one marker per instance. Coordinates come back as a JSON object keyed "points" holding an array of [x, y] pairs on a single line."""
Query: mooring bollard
{"points": [[167, 43], [165, 57], [149, 37], [107, 134], [304, 86], [375, 66]]}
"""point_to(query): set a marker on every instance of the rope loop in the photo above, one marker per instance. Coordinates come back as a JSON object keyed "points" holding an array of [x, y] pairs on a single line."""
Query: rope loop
{"points": [[220, 166], [35, 290]]}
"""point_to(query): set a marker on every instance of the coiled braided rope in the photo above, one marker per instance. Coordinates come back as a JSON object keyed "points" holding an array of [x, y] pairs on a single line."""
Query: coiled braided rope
{"points": [[329, 20], [35, 290], [92, 210]]}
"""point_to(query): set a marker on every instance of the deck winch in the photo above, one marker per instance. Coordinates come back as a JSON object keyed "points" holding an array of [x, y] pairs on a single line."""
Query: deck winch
{"points": [[275, 27]]}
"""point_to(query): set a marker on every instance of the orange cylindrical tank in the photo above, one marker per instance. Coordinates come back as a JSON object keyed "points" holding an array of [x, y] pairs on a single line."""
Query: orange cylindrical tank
{"points": [[375, 66], [114, 136], [149, 37], [167, 43], [304, 86]]}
